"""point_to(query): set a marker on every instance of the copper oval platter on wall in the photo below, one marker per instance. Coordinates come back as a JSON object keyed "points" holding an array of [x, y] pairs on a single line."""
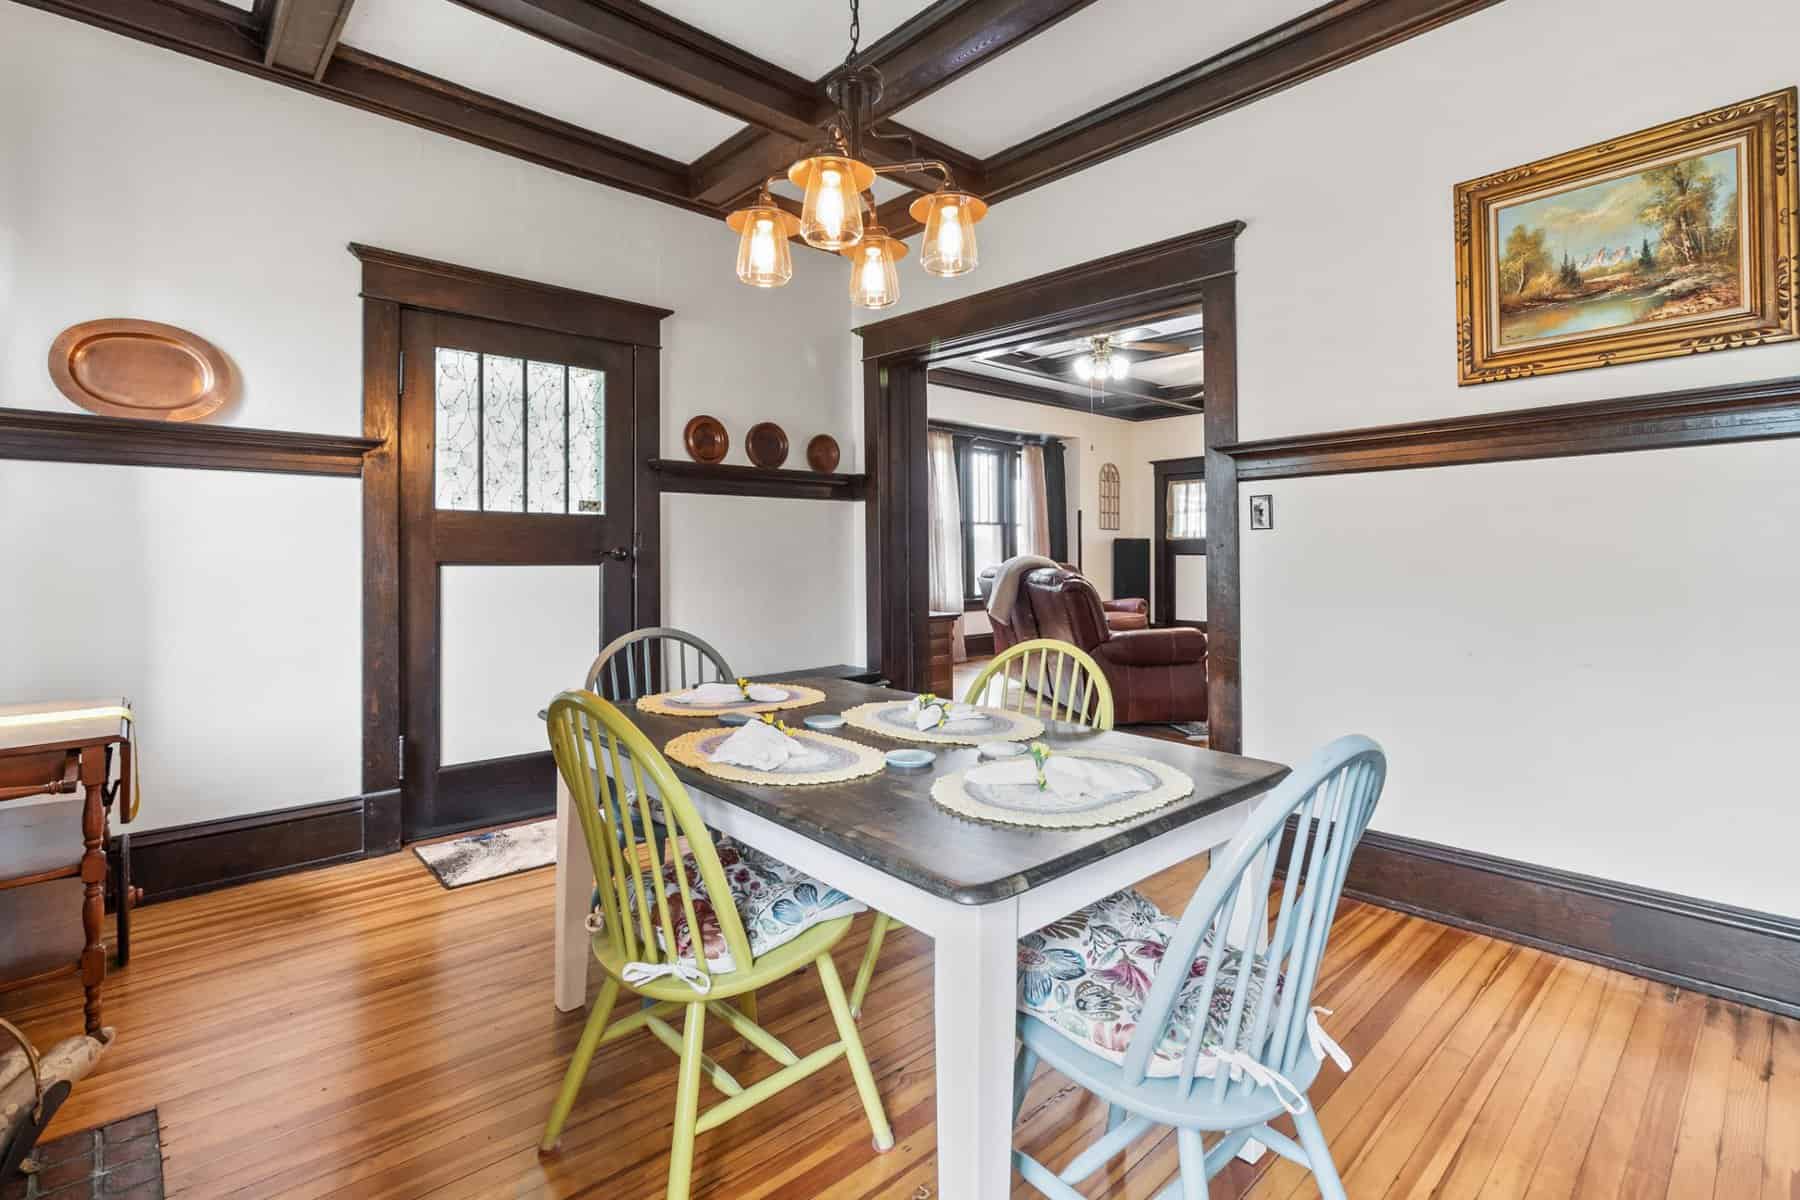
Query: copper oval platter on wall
{"points": [[122, 368]]}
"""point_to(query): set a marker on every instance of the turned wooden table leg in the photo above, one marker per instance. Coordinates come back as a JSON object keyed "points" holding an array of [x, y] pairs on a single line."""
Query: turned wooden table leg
{"points": [[93, 877]]}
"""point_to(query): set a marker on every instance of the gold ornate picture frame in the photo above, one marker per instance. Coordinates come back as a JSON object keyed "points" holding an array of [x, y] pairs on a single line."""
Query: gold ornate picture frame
{"points": [[1681, 239]]}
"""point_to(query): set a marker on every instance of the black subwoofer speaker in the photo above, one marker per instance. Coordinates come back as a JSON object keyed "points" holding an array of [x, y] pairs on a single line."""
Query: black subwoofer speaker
{"points": [[1131, 569]]}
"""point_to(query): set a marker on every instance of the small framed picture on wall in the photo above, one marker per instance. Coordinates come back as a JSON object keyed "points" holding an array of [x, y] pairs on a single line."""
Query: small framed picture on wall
{"points": [[1262, 512]]}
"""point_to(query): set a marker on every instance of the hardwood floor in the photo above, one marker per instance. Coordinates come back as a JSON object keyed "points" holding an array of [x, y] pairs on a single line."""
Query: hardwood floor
{"points": [[359, 1031]]}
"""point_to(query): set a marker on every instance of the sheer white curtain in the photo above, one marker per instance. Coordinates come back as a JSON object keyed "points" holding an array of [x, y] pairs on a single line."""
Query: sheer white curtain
{"points": [[1034, 510], [946, 533]]}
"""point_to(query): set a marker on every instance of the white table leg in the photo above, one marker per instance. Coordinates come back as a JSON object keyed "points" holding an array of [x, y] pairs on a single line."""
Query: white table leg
{"points": [[574, 891], [975, 985]]}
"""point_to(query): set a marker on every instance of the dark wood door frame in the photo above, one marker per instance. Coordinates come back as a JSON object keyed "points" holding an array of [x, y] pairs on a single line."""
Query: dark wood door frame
{"points": [[1197, 269], [1165, 471], [391, 283]]}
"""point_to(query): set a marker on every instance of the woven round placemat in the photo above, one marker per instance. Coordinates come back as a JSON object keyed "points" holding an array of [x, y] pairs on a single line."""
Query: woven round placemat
{"points": [[873, 718], [799, 696], [950, 792], [853, 759]]}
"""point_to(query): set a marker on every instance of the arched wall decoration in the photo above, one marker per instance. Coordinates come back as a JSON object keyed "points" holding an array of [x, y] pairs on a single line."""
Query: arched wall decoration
{"points": [[1109, 496]]}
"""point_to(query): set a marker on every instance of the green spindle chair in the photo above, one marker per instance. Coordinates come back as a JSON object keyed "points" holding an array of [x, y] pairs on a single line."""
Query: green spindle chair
{"points": [[1078, 694], [639, 938]]}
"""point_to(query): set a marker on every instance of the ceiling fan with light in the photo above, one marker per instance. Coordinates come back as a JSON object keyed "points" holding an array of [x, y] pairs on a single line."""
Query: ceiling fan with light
{"points": [[836, 182]]}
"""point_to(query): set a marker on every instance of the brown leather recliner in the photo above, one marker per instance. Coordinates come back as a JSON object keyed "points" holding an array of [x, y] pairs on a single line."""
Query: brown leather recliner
{"points": [[1156, 675], [1130, 613]]}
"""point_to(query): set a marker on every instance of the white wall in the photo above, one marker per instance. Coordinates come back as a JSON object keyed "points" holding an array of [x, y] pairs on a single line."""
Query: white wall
{"points": [[213, 600], [138, 182], [1568, 660]]}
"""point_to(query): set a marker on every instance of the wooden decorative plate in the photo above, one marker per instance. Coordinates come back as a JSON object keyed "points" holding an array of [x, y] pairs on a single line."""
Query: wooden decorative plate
{"points": [[706, 439], [766, 444], [122, 368], [822, 453]]}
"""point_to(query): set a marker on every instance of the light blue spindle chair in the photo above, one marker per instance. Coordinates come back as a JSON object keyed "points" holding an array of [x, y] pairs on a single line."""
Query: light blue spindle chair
{"points": [[1261, 1047], [653, 660]]}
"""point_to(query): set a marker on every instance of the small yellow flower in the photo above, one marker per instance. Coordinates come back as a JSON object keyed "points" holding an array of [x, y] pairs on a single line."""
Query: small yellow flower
{"points": [[743, 683], [1040, 754]]}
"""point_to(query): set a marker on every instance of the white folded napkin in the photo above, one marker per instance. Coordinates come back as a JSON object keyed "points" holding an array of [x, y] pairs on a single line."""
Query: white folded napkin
{"points": [[933, 713], [730, 693], [1072, 779], [762, 747]]}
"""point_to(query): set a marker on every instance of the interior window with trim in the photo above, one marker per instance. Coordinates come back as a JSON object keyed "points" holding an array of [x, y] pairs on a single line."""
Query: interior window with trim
{"points": [[1187, 509]]}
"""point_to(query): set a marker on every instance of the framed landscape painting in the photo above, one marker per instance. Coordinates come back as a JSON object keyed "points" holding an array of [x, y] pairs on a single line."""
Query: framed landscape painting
{"points": [[1681, 239]]}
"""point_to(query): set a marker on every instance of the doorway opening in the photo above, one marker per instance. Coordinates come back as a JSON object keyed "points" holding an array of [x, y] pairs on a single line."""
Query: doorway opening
{"points": [[991, 344]]}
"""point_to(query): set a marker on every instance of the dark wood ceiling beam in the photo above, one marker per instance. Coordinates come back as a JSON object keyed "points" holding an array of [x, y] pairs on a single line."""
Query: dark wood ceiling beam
{"points": [[1322, 40], [303, 34], [231, 38], [1122, 406], [736, 167], [637, 39], [950, 38]]}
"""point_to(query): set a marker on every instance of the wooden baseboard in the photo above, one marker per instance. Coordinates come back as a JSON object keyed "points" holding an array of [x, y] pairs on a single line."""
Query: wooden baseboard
{"points": [[183, 860], [978, 645], [1734, 953]]}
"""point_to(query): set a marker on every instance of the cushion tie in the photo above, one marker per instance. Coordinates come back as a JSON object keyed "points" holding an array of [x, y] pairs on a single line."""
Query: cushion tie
{"points": [[1291, 1097], [636, 973], [1323, 1046]]}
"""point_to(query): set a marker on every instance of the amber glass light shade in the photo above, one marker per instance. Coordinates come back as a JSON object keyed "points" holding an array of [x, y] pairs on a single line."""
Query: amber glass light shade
{"points": [[763, 232], [949, 218], [874, 283], [831, 217]]}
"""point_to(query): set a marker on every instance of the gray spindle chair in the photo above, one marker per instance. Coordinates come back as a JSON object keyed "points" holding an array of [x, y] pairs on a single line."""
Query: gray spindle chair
{"points": [[638, 663], [1215, 1048]]}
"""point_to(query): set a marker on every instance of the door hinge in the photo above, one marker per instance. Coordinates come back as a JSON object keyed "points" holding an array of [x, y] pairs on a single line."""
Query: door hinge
{"points": [[400, 757], [400, 384]]}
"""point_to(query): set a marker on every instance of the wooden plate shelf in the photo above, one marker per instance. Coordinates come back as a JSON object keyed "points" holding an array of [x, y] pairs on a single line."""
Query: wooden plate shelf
{"points": [[731, 479]]}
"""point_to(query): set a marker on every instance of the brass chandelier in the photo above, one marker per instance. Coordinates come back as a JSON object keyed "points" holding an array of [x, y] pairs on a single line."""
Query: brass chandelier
{"points": [[838, 213]]}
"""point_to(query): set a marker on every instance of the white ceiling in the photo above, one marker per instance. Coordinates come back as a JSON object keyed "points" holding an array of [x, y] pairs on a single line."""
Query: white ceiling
{"points": [[1177, 370], [442, 39], [808, 37], [1105, 51]]}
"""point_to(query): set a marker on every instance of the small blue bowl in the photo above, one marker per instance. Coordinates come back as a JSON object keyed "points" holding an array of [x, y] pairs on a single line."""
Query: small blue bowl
{"points": [[910, 760], [823, 721], [734, 718]]}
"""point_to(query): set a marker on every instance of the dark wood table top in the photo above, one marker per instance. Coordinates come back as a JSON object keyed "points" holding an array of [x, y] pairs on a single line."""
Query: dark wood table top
{"points": [[889, 821]]}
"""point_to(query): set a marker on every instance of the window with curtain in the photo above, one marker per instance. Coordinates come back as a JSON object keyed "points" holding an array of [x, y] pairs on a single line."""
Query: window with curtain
{"points": [[990, 508], [1187, 509]]}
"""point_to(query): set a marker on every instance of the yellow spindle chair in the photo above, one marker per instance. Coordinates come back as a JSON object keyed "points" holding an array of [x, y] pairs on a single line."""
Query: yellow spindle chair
{"points": [[1056, 681], [1077, 693], [640, 947]]}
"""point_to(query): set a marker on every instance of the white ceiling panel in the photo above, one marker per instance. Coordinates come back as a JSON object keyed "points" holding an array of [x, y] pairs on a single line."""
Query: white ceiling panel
{"points": [[443, 39], [1176, 370], [1105, 51], [808, 37]]}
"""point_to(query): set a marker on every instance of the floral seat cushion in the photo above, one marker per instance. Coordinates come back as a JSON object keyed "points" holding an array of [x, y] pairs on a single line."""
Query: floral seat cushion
{"points": [[775, 902], [1087, 977]]}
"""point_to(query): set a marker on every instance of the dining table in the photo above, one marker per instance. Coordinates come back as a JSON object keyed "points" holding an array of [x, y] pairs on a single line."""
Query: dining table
{"points": [[973, 887]]}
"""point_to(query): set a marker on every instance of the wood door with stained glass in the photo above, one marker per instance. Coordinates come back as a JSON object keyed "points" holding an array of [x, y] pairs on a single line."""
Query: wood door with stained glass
{"points": [[518, 544]]}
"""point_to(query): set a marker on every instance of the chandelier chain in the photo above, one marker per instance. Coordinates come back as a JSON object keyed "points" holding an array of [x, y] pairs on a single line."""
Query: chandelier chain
{"points": [[855, 30]]}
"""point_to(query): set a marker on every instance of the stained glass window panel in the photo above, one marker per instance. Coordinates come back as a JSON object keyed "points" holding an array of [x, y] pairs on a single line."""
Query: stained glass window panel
{"points": [[458, 429], [587, 441], [546, 435], [502, 434]]}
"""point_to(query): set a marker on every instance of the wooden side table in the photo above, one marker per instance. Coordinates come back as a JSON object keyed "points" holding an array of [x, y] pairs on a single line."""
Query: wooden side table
{"points": [[49, 752], [942, 679]]}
